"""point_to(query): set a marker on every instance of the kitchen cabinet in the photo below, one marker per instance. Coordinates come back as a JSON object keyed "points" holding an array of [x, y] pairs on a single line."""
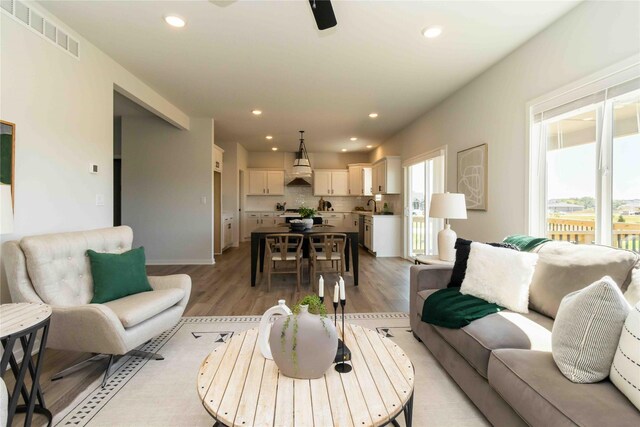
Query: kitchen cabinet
{"points": [[330, 182], [368, 233], [360, 180], [217, 158], [335, 219], [227, 231], [386, 176], [266, 183]]}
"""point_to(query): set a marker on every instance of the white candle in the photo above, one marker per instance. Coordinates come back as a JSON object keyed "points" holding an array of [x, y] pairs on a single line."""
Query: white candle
{"points": [[336, 293], [343, 296], [321, 287]]}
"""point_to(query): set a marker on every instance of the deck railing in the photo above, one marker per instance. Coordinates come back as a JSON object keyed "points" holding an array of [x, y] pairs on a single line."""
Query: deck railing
{"points": [[418, 243], [625, 235]]}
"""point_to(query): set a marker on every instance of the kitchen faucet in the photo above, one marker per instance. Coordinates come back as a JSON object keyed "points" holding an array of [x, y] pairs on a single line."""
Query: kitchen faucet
{"points": [[375, 206]]}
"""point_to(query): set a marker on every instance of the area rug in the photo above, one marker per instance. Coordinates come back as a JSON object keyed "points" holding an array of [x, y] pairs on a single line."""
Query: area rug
{"points": [[143, 392]]}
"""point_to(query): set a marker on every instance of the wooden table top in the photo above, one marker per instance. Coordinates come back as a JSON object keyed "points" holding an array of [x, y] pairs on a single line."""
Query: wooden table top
{"points": [[315, 229], [18, 317], [239, 387]]}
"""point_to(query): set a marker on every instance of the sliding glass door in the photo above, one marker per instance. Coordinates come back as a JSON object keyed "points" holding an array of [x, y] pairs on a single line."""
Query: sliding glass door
{"points": [[423, 177]]}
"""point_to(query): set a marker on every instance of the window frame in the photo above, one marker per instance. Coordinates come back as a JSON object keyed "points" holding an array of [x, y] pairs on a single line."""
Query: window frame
{"points": [[536, 175]]}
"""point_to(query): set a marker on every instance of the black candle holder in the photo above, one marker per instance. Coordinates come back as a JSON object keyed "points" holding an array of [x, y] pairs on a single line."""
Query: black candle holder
{"points": [[343, 367]]}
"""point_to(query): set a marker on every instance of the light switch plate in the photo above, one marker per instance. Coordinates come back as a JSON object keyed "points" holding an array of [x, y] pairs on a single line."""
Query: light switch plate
{"points": [[99, 199], [93, 168]]}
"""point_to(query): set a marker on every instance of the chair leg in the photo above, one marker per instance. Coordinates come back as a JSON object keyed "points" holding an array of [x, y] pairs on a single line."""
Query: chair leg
{"points": [[269, 278], [107, 371], [298, 265], [342, 266], [78, 366], [145, 355]]}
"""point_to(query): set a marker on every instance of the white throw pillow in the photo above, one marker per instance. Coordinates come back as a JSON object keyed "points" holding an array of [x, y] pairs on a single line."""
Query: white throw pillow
{"points": [[587, 329], [625, 370], [499, 275]]}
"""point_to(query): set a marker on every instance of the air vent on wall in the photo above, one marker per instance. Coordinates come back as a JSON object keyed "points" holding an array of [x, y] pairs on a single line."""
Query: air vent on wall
{"points": [[27, 16]]}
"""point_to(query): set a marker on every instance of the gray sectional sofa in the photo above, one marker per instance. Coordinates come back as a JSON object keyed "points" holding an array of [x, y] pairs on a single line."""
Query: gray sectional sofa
{"points": [[503, 362]]}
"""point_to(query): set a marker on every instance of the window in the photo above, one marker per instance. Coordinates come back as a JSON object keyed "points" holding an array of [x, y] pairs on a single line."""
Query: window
{"points": [[424, 175], [584, 162]]}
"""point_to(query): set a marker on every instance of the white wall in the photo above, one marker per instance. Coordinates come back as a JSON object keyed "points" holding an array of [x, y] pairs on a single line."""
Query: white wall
{"points": [[63, 111], [234, 160], [165, 174], [491, 108]]}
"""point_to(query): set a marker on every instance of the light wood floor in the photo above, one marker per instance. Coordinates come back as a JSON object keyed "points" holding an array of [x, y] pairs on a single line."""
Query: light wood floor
{"points": [[224, 289]]}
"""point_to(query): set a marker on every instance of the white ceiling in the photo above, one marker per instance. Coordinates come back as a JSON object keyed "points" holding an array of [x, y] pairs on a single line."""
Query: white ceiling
{"points": [[269, 55]]}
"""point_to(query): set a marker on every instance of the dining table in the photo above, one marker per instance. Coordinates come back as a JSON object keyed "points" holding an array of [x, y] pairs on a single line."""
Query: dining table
{"points": [[258, 246]]}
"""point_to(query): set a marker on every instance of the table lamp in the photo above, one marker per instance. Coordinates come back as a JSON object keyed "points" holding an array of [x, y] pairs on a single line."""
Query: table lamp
{"points": [[6, 209], [447, 206]]}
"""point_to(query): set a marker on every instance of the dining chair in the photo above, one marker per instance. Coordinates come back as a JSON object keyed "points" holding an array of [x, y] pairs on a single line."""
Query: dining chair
{"points": [[282, 248], [326, 247]]}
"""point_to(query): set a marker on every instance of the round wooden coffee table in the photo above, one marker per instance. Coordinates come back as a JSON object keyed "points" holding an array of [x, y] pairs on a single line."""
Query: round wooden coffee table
{"points": [[239, 387]]}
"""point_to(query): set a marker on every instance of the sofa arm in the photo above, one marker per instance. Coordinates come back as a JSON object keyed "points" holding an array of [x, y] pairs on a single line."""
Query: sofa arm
{"points": [[181, 281], [91, 328], [429, 277], [425, 277]]}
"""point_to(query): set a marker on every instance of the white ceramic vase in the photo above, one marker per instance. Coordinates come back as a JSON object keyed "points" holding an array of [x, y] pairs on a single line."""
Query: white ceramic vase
{"points": [[316, 344], [308, 222], [265, 326]]}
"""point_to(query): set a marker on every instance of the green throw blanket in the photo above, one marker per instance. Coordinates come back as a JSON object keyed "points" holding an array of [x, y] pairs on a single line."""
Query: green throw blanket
{"points": [[525, 243], [451, 309]]}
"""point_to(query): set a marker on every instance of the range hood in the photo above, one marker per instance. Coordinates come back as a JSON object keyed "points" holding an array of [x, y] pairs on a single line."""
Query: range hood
{"points": [[299, 182]]}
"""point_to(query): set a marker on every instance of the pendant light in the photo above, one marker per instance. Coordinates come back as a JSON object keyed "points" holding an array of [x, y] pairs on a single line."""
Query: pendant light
{"points": [[301, 165]]}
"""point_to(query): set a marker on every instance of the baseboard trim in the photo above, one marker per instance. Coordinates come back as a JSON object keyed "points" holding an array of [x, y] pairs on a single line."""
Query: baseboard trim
{"points": [[181, 261]]}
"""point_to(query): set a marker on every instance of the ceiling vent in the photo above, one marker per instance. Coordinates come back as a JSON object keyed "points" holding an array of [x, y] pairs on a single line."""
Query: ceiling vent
{"points": [[32, 19]]}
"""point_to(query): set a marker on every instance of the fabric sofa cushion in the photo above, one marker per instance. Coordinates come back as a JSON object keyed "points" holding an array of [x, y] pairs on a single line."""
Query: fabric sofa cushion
{"points": [[587, 330], [564, 268], [59, 267], [625, 370], [463, 248], [506, 329], [134, 309], [498, 275], [531, 383]]}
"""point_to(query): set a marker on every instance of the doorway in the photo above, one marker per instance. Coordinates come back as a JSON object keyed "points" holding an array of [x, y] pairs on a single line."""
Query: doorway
{"points": [[240, 205], [424, 176]]}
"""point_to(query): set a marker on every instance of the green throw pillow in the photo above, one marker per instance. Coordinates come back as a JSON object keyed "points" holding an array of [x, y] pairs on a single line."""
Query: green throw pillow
{"points": [[118, 275]]}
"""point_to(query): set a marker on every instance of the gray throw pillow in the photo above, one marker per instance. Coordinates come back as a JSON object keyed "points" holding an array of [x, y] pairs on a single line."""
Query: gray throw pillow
{"points": [[587, 329], [564, 268]]}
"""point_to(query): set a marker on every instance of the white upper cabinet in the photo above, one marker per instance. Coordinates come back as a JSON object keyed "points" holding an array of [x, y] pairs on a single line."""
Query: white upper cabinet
{"points": [[275, 183], [340, 183], [266, 183], [359, 180], [321, 183], [387, 176], [330, 182]]}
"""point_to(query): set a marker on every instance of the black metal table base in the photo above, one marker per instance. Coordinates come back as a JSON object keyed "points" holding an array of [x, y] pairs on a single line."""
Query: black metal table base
{"points": [[33, 398]]}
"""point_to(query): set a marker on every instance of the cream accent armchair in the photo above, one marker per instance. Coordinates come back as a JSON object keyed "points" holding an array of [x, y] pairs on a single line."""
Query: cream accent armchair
{"points": [[54, 269]]}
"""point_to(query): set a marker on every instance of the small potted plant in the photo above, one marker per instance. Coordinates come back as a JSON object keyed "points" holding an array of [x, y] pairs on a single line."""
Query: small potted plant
{"points": [[304, 344], [307, 215]]}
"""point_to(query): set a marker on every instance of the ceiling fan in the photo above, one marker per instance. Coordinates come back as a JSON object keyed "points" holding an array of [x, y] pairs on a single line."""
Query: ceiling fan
{"points": [[322, 12]]}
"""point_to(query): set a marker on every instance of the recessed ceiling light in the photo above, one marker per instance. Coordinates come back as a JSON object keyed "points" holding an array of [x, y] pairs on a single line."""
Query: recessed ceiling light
{"points": [[432, 32], [274, 149], [353, 138], [369, 146], [256, 112], [344, 149], [588, 119], [175, 21], [269, 137], [373, 115]]}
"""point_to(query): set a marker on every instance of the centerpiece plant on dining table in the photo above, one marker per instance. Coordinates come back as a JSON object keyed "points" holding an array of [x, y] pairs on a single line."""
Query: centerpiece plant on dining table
{"points": [[304, 344], [307, 215]]}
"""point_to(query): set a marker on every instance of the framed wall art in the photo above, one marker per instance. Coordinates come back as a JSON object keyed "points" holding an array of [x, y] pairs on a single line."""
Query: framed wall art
{"points": [[472, 176]]}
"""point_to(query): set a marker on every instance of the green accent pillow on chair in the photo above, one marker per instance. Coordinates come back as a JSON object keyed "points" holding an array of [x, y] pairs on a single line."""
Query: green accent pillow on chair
{"points": [[118, 275]]}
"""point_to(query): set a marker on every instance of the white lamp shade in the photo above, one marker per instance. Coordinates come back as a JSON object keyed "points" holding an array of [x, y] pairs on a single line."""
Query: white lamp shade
{"points": [[448, 205], [6, 209]]}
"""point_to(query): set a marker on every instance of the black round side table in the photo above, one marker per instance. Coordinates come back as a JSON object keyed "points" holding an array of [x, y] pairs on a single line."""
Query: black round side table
{"points": [[20, 323]]}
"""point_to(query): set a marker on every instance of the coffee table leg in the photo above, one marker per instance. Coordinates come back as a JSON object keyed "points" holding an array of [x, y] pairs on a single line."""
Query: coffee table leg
{"points": [[408, 412]]}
